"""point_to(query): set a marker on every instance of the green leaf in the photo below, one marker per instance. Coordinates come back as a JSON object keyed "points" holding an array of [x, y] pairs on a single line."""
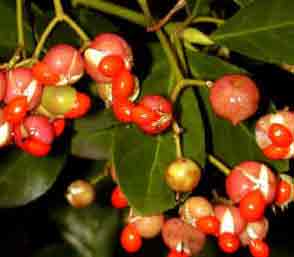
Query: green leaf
{"points": [[141, 160], [199, 7], [57, 251], [8, 32], [243, 3], [209, 67], [264, 31], [91, 231], [23, 178], [96, 145], [234, 144]]}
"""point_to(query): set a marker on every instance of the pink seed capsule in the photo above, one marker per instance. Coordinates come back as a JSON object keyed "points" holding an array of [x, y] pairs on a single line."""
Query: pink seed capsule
{"points": [[2, 85], [234, 98], [65, 61], [103, 45], [20, 82], [40, 128]]}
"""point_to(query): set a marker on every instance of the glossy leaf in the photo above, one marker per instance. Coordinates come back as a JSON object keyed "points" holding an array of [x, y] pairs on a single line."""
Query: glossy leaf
{"points": [[91, 231], [8, 32], [232, 144], [264, 31], [243, 3], [23, 178]]}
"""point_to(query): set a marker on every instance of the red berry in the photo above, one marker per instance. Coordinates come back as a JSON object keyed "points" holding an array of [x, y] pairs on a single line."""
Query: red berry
{"points": [[252, 206], [110, 65], [209, 225], [43, 74], [16, 110], [58, 126], [2, 85], [123, 85], [130, 239], [259, 248], [80, 108], [143, 116], [280, 135], [174, 253], [122, 110], [118, 199], [36, 147], [275, 152], [284, 194], [228, 243], [234, 97], [65, 61], [5, 130]]}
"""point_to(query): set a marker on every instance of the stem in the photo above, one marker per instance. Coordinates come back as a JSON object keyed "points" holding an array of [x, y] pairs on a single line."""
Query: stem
{"points": [[44, 36], [177, 136], [58, 8], [113, 9], [218, 164], [95, 180], [186, 83], [19, 22], [204, 19], [76, 28]]}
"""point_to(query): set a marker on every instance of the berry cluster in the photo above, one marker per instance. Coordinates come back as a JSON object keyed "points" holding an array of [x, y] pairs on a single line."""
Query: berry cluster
{"points": [[39, 99], [109, 61]]}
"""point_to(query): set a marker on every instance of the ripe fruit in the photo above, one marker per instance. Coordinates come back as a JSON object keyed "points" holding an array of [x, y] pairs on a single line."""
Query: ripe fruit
{"points": [[2, 85], [280, 135], [80, 108], [143, 116], [16, 110], [249, 176], [234, 97], [43, 74], [36, 147], [254, 230], [230, 219], [5, 130], [111, 65], [228, 243], [259, 248], [104, 45], [130, 239], [182, 237], [20, 82], [183, 175], [276, 153], [58, 126], [40, 128], [65, 61], [118, 199], [148, 226], [194, 208], [285, 190], [174, 253], [58, 100], [80, 194], [162, 107], [265, 137], [252, 206], [122, 109], [208, 225], [123, 85]]}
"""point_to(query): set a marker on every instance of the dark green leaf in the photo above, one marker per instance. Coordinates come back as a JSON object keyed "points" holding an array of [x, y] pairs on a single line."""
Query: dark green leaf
{"points": [[243, 3], [199, 7], [209, 67], [8, 32], [264, 31], [96, 145], [140, 162], [24, 178], [91, 231], [57, 251]]}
